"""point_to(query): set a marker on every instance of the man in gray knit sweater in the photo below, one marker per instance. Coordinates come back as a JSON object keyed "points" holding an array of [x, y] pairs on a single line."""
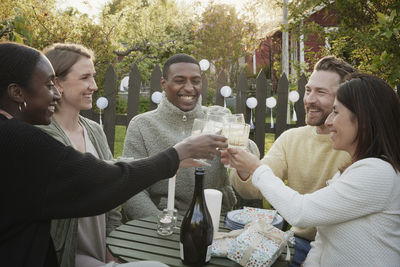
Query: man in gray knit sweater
{"points": [[153, 131]]}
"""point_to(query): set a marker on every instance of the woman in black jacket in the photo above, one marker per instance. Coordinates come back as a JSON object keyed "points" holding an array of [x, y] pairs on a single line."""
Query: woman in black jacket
{"points": [[30, 196]]}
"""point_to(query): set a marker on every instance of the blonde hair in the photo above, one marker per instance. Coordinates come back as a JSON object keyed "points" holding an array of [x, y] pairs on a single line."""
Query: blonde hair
{"points": [[64, 56]]}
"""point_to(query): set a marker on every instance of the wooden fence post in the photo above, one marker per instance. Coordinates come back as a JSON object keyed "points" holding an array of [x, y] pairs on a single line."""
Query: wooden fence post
{"points": [[155, 84], [281, 107], [241, 92], [268, 112], [261, 95], [110, 92], [221, 81], [299, 105], [135, 81]]}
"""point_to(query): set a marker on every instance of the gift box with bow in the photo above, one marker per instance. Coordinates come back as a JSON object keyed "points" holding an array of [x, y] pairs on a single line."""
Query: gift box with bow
{"points": [[258, 244]]}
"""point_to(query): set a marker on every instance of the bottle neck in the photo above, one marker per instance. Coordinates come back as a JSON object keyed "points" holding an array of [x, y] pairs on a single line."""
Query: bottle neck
{"points": [[198, 187]]}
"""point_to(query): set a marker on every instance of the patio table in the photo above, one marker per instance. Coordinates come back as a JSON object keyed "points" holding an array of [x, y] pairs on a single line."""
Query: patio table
{"points": [[138, 240]]}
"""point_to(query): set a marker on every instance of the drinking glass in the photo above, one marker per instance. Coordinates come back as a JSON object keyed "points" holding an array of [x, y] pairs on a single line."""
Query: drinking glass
{"points": [[217, 110], [214, 123], [238, 135], [174, 215], [198, 126], [197, 129], [235, 118], [232, 118]]}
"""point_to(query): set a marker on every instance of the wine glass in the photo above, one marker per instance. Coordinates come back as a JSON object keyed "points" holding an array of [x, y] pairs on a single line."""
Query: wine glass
{"points": [[215, 123], [198, 126], [235, 118], [238, 135], [232, 118], [198, 129], [218, 110]]}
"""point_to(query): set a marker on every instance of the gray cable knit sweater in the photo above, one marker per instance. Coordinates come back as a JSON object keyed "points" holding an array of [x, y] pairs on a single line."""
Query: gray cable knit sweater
{"points": [[152, 132]]}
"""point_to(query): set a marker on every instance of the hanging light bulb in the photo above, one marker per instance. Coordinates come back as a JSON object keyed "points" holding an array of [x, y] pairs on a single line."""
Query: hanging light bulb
{"points": [[251, 103], [101, 103], [294, 97], [271, 103]]}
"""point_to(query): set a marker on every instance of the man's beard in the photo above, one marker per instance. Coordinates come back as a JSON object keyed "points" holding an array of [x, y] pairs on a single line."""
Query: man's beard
{"points": [[320, 122]]}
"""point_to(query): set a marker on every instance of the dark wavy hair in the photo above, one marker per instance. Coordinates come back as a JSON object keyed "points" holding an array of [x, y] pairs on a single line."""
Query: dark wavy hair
{"points": [[17, 63], [377, 109], [178, 58]]}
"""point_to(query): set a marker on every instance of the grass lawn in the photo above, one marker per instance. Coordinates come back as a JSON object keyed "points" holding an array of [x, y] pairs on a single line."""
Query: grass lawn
{"points": [[120, 132]]}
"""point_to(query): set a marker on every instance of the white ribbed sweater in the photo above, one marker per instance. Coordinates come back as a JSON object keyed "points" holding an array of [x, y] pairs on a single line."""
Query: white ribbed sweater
{"points": [[357, 215]]}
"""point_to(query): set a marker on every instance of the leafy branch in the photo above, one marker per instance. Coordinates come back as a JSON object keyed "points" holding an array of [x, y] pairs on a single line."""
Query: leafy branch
{"points": [[143, 47], [41, 23]]}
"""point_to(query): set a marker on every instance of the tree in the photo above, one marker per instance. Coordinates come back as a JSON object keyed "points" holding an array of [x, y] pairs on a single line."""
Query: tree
{"points": [[368, 33], [222, 38], [38, 23], [145, 32], [148, 33]]}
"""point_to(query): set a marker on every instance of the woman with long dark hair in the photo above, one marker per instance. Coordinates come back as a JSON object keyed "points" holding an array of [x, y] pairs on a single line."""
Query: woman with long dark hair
{"points": [[358, 214]]}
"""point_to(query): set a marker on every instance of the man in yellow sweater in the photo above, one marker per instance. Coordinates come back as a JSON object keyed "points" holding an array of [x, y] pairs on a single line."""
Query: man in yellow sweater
{"points": [[304, 156]]}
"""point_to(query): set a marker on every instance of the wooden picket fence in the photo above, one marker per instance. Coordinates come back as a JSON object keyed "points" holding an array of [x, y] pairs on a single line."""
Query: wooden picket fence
{"points": [[263, 90]]}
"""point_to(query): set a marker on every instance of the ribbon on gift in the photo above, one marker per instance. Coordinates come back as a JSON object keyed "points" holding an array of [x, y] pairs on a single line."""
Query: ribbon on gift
{"points": [[265, 230], [223, 238]]}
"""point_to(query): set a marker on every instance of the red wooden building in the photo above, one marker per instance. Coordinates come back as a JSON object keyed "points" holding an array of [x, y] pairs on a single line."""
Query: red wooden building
{"points": [[302, 49]]}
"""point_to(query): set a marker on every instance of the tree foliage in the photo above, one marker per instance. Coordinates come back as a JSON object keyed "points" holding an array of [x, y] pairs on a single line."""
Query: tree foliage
{"points": [[223, 38], [144, 32], [368, 33], [149, 32], [38, 23]]}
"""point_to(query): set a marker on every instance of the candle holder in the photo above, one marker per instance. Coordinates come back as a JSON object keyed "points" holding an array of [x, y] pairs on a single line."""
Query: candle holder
{"points": [[166, 222], [174, 214]]}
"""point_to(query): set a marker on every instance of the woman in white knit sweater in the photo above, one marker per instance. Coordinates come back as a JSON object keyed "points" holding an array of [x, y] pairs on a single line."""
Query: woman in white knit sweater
{"points": [[358, 214]]}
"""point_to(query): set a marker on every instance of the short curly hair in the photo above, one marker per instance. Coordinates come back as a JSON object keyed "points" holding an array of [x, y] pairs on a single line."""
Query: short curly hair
{"points": [[178, 58]]}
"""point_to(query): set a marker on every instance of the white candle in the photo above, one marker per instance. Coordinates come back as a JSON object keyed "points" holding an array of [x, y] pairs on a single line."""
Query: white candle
{"points": [[213, 202], [171, 193]]}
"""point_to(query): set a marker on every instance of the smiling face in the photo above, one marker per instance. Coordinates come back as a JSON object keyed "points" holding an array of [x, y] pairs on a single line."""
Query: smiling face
{"points": [[319, 96], [183, 85], [79, 85], [343, 125], [42, 96]]}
